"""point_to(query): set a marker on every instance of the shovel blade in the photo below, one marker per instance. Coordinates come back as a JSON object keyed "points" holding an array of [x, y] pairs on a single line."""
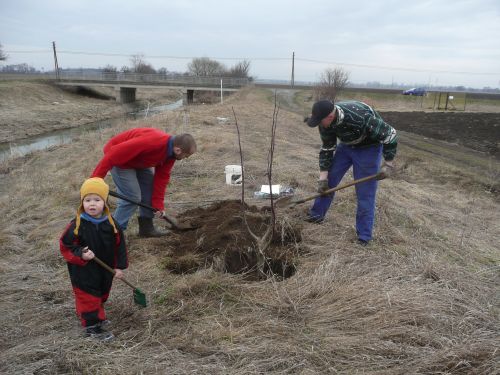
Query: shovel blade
{"points": [[185, 227], [140, 298], [174, 224], [285, 202], [181, 227]]}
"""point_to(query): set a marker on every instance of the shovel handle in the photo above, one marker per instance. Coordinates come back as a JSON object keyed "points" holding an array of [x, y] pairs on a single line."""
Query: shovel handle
{"points": [[166, 217], [108, 268], [340, 187]]}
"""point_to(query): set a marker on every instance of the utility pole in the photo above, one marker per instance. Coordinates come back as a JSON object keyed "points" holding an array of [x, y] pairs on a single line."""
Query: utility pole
{"points": [[56, 65], [293, 70]]}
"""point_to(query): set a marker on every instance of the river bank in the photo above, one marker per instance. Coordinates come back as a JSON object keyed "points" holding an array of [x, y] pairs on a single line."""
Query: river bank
{"points": [[33, 108]]}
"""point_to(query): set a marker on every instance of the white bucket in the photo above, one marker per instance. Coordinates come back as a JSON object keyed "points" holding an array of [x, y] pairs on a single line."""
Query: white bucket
{"points": [[233, 174]]}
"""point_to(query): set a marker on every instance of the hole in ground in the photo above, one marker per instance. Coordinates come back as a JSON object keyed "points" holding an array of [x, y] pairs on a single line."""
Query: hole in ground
{"points": [[222, 241]]}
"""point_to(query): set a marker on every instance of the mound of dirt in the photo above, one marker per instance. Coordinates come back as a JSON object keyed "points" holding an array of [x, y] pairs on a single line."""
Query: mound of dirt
{"points": [[223, 240]]}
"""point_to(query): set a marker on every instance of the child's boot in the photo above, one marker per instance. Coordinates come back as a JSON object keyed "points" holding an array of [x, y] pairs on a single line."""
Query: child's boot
{"points": [[99, 333]]}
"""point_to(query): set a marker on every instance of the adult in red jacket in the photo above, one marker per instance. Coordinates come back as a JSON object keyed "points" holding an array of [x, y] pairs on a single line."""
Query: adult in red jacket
{"points": [[140, 161]]}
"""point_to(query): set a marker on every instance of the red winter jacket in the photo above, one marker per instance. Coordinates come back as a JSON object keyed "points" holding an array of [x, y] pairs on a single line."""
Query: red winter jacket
{"points": [[140, 148]]}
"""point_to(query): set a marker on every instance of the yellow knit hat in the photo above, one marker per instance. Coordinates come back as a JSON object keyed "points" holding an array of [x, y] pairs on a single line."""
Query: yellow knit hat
{"points": [[94, 185]]}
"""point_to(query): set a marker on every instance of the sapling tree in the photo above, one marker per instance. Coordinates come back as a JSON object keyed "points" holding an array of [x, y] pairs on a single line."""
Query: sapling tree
{"points": [[262, 242]]}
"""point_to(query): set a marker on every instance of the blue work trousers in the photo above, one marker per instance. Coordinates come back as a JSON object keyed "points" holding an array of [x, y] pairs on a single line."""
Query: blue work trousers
{"points": [[365, 161], [136, 184]]}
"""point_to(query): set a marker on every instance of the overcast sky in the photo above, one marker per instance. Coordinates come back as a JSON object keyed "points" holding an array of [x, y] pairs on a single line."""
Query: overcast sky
{"points": [[443, 42]]}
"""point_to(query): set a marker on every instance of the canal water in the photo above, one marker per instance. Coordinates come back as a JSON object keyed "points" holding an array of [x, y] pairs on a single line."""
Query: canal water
{"points": [[58, 137]]}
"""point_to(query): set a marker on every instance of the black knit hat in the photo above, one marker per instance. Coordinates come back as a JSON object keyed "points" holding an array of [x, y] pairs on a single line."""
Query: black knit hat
{"points": [[320, 110]]}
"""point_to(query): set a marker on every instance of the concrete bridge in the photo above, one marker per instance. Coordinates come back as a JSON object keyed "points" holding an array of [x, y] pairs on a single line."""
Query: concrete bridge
{"points": [[128, 83]]}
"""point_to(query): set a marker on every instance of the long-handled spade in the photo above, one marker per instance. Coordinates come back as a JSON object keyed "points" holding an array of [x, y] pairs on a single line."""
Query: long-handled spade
{"points": [[139, 296], [287, 202], [169, 219]]}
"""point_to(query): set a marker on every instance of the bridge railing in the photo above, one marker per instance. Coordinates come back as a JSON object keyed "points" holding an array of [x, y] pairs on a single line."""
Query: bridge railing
{"points": [[157, 78]]}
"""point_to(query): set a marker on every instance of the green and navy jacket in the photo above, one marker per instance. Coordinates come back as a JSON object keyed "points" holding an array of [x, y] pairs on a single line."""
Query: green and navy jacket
{"points": [[356, 125]]}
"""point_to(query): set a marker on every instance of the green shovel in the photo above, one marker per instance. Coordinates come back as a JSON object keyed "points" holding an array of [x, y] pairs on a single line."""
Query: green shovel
{"points": [[139, 296]]}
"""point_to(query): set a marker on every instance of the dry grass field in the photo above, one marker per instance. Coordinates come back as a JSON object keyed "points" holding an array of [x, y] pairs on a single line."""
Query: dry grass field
{"points": [[423, 298]]}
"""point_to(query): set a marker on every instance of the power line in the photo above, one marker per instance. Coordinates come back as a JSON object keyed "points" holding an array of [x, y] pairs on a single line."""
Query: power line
{"points": [[262, 59], [34, 51], [171, 57], [393, 67], [150, 56]]}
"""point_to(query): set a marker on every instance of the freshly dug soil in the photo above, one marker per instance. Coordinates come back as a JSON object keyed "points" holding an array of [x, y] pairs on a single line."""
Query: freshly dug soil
{"points": [[222, 240]]}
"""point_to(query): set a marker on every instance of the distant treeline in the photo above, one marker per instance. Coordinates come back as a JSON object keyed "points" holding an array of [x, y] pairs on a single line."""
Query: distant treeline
{"points": [[27, 69], [18, 68]]}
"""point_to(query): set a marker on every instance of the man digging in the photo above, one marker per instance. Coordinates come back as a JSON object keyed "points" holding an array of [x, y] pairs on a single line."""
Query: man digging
{"points": [[363, 139]]}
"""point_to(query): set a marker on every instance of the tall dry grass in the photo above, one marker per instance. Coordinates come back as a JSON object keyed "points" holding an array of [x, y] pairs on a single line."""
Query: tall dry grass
{"points": [[422, 299]]}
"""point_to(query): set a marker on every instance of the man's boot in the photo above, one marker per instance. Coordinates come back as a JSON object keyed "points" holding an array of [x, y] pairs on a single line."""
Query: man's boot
{"points": [[147, 229]]}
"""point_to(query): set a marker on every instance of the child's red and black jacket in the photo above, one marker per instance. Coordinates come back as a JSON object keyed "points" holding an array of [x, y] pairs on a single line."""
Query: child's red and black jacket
{"points": [[107, 245]]}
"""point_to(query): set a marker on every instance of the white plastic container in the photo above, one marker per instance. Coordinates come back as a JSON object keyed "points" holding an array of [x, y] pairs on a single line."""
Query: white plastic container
{"points": [[274, 188], [233, 174]]}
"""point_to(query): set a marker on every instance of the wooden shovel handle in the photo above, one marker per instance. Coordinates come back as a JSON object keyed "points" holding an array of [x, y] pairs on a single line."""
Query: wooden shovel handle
{"points": [[108, 268], [340, 187], [172, 221]]}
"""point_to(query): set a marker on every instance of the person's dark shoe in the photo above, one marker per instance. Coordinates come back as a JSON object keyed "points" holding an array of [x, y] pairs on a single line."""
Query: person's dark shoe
{"points": [[363, 243], [315, 220], [147, 229], [104, 323], [98, 333]]}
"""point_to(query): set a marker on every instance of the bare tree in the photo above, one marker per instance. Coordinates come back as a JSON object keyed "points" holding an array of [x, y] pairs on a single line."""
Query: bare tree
{"points": [[332, 82], [3, 56], [109, 72], [146, 69], [240, 70], [109, 69], [263, 242], [205, 67], [141, 66], [136, 61], [241, 162]]}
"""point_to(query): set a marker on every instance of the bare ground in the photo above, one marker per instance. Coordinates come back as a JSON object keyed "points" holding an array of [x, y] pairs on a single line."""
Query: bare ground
{"points": [[422, 299]]}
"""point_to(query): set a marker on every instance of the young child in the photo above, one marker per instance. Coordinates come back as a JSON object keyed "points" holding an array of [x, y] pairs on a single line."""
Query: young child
{"points": [[93, 233]]}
